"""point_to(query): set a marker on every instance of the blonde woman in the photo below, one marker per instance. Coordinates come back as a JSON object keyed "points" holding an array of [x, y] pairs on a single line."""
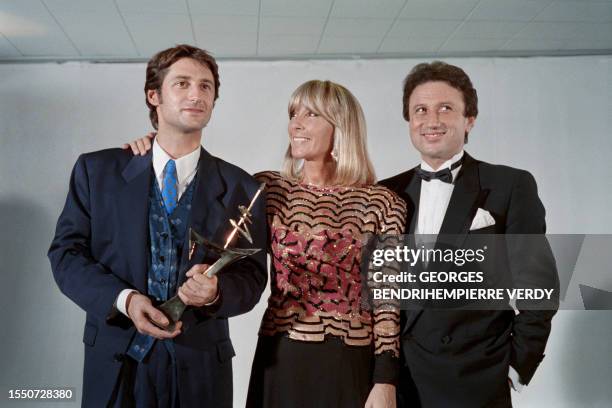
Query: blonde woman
{"points": [[318, 345]]}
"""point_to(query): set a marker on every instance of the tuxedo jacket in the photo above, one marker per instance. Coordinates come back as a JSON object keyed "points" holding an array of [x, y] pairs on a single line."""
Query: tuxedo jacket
{"points": [[461, 358], [101, 247]]}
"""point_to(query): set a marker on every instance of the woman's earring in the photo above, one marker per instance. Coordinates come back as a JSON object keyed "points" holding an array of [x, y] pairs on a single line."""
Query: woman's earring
{"points": [[334, 155]]}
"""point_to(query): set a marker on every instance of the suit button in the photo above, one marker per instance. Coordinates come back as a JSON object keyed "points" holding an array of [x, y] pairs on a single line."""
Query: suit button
{"points": [[446, 339], [118, 357], [162, 258]]}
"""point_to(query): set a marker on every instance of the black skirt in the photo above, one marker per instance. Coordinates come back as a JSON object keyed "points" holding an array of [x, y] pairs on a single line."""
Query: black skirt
{"points": [[294, 374]]}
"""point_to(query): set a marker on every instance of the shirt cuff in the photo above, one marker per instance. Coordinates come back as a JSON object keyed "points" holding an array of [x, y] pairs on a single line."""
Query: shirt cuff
{"points": [[122, 299], [386, 368], [514, 378]]}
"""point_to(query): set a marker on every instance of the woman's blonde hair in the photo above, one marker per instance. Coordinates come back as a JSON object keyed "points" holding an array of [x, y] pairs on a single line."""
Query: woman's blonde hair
{"points": [[338, 106]]}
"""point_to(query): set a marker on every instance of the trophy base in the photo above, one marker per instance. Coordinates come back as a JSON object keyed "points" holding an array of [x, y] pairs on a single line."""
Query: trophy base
{"points": [[173, 309]]}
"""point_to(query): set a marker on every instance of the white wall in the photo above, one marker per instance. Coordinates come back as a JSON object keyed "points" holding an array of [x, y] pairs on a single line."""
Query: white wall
{"points": [[548, 115]]}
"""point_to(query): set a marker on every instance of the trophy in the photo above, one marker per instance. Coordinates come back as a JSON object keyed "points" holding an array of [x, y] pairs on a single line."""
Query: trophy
{"points": [[174, 308]]}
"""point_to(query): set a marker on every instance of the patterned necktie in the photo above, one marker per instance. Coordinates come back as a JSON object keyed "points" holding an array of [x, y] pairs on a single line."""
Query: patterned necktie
{"points": [[169, 192]]}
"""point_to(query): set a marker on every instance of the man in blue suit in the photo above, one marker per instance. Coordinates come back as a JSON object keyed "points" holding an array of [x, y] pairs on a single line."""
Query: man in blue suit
{"points": [[121, 248]]}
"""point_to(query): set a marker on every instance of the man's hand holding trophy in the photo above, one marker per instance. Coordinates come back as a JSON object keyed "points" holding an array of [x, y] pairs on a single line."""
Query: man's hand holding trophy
{"points": [[201, 287]]}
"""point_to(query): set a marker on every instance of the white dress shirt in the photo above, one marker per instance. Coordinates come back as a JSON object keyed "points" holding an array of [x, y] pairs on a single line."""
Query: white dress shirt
{"points": [[186, 168], [433, 203], [435, 196]]}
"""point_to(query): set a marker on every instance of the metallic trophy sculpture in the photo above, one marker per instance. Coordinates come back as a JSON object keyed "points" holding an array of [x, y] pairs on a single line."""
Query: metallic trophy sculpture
{"points": [[174, 308]]}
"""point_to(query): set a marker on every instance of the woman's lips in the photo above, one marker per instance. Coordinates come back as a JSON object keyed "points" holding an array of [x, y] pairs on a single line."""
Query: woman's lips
{"points": [[300, 139]]}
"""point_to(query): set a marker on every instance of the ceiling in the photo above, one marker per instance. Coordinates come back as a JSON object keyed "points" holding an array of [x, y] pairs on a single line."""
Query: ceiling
{"points": [[132, 30]]}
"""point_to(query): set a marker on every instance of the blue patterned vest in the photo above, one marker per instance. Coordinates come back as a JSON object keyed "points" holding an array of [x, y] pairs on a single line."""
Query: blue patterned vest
{"points": [[167, 235]]}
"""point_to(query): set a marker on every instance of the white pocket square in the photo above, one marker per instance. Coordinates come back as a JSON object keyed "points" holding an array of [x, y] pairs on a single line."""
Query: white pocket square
{"points": [[482, 219]]}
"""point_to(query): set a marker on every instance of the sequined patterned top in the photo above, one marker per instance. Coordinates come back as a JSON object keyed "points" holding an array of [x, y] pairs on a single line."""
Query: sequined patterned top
{"points": [[316, 237]]}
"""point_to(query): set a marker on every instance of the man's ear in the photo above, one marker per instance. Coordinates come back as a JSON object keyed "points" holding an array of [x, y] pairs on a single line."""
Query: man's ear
{"points": [[470, 123], [153, 97]]}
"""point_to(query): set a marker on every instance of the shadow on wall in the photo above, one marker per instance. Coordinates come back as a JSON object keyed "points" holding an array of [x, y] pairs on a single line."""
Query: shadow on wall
{"points": [[587, 351], [39, 340], [24, 237]]}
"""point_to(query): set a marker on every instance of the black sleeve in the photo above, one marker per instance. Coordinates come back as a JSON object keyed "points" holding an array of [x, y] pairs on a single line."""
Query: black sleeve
{"points": [[533, 266]]}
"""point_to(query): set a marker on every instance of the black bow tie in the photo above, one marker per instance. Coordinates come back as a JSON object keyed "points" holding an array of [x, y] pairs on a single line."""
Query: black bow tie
{"points": [[443, 175]]}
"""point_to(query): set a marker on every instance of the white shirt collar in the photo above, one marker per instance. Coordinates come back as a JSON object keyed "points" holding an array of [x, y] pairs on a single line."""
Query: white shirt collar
{"points": [[444, 165], [186, 166], [435, 198]]}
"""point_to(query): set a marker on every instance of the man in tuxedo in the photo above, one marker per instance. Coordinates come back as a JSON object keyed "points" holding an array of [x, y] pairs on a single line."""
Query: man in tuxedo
{"points": [[121, 249], [466, 358]]}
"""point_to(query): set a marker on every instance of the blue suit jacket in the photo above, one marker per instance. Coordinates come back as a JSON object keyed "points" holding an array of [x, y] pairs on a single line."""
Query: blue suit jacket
{"points": [[101, 247]]}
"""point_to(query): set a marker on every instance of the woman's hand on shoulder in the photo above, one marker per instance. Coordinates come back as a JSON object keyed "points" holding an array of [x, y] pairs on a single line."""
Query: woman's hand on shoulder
{"points": [[381, 396], [141, 146]]}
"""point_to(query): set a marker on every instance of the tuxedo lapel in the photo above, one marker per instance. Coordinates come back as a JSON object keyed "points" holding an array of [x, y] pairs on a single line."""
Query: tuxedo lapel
{"points": [[413, 195], [132, 214], [207, 209], [464, 202]]}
